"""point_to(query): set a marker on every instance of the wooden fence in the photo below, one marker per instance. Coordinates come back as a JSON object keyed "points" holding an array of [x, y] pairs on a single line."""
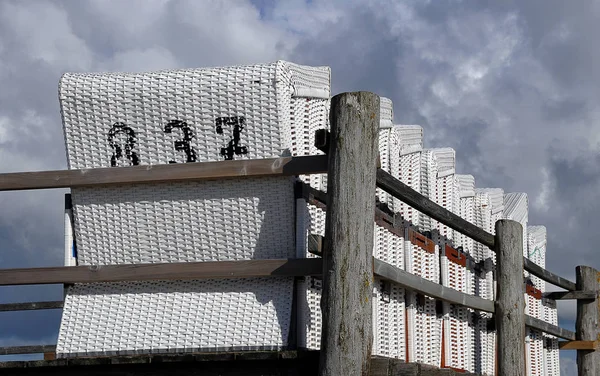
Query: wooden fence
{"points": [[347, 266]]}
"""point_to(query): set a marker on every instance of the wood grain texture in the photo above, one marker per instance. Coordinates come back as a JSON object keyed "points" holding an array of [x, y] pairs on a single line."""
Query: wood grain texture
{"points": [[570, 295], [431, 289], [31, 306], [347, 256], [548, 328], [162, 271], [510, 303], [548, 276], [579, 345], [15, 350], [586, 323], [161, 173], [423, 204]]}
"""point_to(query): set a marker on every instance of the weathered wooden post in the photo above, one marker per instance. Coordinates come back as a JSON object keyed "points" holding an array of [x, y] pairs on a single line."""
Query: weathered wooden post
{"points": [[347, 261], [586, 324], [510, 301]]}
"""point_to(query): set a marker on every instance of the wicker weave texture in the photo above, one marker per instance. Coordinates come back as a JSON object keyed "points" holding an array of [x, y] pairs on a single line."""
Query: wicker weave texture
{"points": [[424, 330], [458, 338], [534, 347], [429, 171], [190, 115], [388, 300], [484, 344], [177, 316], [516, 208], [389, 320], [386, 113], [189, 221], [266, 97], [399, 149], [551, 356]]}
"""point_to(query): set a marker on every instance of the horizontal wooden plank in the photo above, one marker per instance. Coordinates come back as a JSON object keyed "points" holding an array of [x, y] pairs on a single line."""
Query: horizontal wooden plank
{"points": [[14, 350], [579, 345], [570, 295], [549, 328], [421, 203], [548, 276], [264, 363], [434, 290], [163, 271], [30, 306], [285, 166], [50, 355]]}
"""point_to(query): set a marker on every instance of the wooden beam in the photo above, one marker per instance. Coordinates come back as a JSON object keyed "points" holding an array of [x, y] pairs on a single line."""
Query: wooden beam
{"points": [[570, 295], [431, 289], [579, 345], [586, 323], [510, 302], [421, 203], [50, 355], [347, 333], [415, 283], [30, 306], [286, 166], [163, 271], [315, 244], [15, 350], [548, 328], [248, 363], [547, 276]]}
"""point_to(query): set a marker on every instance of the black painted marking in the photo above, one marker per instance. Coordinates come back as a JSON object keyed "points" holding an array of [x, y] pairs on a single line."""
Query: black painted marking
{"points": [[117, 128], [183, 145], [234, 147]]}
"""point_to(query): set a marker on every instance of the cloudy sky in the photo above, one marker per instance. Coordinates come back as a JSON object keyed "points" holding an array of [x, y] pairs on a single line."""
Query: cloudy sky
{"points": [[512, 86]]}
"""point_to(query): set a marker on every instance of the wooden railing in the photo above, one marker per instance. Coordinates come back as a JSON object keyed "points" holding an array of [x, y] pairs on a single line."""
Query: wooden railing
{"points": [[352, 176]]}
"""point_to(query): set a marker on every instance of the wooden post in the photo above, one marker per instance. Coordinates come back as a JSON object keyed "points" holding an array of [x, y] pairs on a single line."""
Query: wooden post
{"points": [[586, 325], [348, 251], [510, 303]]}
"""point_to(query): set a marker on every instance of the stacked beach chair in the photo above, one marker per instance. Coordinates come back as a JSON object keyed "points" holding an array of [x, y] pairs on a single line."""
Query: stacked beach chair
{"points": [[464, 247], [266, 111], [516, 208], [191, 115], [536, 252], [388, 300], [424, 321], [453, 263], [389, 309], [489, 205]]}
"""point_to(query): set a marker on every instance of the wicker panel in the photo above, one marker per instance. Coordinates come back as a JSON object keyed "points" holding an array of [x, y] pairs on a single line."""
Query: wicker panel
{"points": [[516, 207], [177, 316], [429, 170], [205, 99], [191, 221], [388, 300], [534, 348], [189, 115]]}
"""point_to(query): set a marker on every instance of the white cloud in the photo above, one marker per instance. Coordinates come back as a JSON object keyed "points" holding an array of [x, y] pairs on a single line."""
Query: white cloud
{"points": [[43, 32]]}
